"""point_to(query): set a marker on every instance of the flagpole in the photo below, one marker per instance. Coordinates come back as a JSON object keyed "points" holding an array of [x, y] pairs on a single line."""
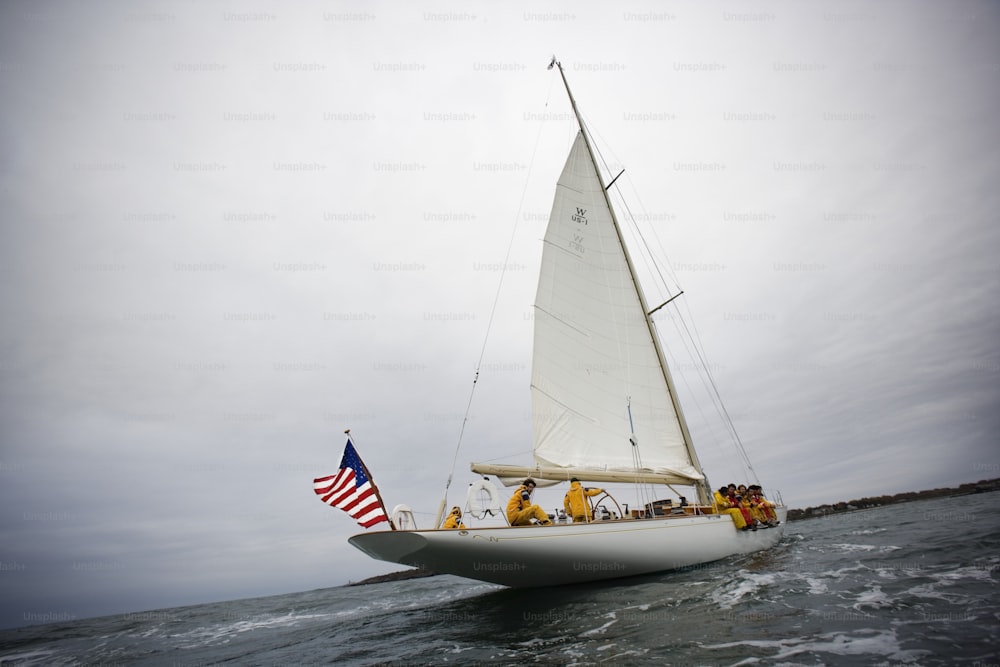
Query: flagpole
{"points": [[371, 480]]}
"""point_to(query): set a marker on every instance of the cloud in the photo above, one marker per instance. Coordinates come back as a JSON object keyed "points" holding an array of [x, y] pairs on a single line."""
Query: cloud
{"points": [[229, 235]]}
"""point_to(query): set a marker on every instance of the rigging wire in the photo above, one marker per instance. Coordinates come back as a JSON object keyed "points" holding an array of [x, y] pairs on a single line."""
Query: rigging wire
{"points": [[692, 334], [646, 492], [496, 301], [624, 346]]}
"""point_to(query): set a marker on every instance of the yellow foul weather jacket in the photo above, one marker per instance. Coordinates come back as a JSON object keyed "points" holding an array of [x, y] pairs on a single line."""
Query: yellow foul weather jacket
{"points": [[454, 519], [520, 512], [575, 502], [726, 507]]}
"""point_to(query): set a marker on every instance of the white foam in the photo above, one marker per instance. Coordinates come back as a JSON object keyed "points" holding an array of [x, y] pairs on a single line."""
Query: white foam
{"points": [[459, 649], [600, 629], [873, 598], [855, 547], [936, 589], [851, 547], [537, 641], [963, 574], [744, 585], [840, 573], [39, 657], [931, 592], [816, 586], [863, 642], [223, 634]]}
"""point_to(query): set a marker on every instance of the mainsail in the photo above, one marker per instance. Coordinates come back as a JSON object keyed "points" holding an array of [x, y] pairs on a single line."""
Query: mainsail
{"points": [[596, 380], [600, 397]]}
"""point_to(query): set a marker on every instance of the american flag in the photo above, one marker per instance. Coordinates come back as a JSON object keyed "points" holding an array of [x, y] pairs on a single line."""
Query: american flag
{"points": [[351, 490]]}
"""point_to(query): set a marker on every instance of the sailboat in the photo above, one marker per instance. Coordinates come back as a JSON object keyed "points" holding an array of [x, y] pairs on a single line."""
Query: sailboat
{"points": [[604, 409]]}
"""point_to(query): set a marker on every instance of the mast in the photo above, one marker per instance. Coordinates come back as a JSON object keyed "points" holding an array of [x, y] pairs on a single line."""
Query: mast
{"points": [[701, 486]]}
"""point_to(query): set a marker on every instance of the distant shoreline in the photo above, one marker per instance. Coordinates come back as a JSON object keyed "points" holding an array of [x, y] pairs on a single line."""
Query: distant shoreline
{"points": [[984, 486], [402, 575]]}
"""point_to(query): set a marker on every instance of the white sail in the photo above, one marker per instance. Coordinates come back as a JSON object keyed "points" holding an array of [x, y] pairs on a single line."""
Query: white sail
{"points": [[593, 352]]}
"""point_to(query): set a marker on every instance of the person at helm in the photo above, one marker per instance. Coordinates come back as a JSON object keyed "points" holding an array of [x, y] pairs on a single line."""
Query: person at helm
{"points": [[576, 503], [521, 511], [454, 519]]}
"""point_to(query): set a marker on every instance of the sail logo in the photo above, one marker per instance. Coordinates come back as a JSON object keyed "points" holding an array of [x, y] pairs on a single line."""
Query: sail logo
{"points": [[580, 216]]}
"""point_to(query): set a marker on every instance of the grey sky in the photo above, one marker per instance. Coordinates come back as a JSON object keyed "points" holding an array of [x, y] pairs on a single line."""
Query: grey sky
{"points": [[231, 231]]}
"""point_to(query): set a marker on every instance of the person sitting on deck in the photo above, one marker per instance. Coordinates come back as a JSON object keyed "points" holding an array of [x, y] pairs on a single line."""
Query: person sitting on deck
{"points": [[521, 511], [765, 505], [454, 519], [724, 506], [576, 504], [736, 499], [757, 517]]}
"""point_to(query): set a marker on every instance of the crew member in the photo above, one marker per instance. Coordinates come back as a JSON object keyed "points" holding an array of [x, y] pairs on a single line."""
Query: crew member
{"points": [[757, 517], [736, 500], [757, 495], [576, 503], [724, 506], [521, 511], [454, 519]]}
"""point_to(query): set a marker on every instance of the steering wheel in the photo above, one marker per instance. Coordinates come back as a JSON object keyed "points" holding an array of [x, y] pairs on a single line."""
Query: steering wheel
{"points": [[601, 499]]}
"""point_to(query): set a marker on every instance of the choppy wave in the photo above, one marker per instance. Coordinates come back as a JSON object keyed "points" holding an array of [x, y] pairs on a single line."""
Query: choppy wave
{"points": [[874, 587], [868, 643]]}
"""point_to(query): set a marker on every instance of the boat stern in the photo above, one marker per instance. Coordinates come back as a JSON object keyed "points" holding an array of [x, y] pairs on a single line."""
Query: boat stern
{"points": [[394, 546]]}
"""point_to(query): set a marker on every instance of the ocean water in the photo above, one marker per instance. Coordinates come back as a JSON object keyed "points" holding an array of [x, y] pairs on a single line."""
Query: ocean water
{"points": [[913, 584]]}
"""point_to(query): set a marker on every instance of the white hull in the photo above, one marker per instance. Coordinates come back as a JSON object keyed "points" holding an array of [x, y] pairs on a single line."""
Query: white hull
{"points": [[528, 556]]}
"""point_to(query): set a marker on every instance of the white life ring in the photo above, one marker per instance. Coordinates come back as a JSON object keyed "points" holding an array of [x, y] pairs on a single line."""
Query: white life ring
{"points": [[482, 499], [402, 518]]}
